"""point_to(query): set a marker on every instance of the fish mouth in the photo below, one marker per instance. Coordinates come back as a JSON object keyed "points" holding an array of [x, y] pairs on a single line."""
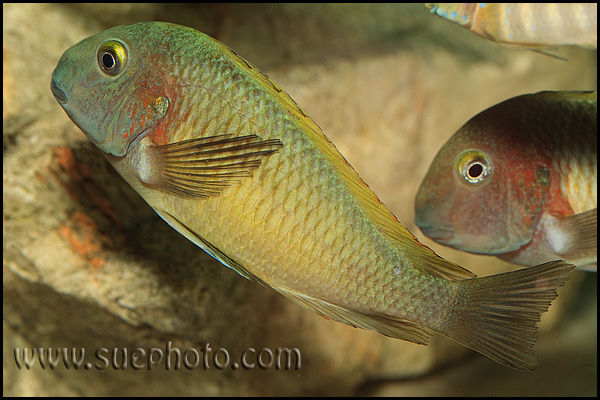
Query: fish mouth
{"points": [[440, 235], [59, 95]]}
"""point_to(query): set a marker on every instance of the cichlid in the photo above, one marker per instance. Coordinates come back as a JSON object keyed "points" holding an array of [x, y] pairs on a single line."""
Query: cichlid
{"points": [[230, 161], [534, 26], [519, 181]]}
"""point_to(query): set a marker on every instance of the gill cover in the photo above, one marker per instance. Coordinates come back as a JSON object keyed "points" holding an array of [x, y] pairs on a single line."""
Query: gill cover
{"points": [[109, 92], [141, 105]]}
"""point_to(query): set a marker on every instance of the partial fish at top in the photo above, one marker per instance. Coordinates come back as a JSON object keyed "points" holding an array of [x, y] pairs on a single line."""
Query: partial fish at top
{"points": [[533, 26]]}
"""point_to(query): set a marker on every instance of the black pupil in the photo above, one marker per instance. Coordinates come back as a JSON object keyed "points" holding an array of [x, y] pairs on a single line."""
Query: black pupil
{"points": [[108, 60], [475, 170]]}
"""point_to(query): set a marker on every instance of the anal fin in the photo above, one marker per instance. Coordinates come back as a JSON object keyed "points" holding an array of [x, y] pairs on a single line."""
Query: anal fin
{"points": [[383, 324]]}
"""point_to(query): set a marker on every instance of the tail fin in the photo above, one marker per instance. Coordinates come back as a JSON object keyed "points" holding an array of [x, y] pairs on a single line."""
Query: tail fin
{"points": [[497, 315]]}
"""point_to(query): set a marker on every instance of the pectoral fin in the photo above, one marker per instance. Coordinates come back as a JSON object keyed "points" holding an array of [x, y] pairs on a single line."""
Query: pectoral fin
{"points": [[579, 239], [585, 228], [204, 166]]}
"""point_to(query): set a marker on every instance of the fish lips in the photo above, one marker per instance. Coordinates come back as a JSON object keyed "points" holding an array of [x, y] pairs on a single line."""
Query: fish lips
{"points": [[108, 143], [59, 95], [440, 235], [431, 226], [471, 243]]}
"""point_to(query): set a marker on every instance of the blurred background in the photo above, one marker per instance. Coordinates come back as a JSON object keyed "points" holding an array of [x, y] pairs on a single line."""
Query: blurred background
{"points": [[87, 264]]}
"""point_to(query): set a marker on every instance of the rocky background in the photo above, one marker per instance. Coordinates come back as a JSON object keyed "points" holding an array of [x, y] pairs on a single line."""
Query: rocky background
{"points": [[87, 264]]}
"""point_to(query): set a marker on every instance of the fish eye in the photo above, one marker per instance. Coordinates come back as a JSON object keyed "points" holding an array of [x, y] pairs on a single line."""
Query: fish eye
{"points": [[474, 166], [112, 57]]}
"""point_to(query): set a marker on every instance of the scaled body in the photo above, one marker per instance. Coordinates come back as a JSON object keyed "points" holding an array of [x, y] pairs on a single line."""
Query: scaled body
{"points": [[231, 162]]}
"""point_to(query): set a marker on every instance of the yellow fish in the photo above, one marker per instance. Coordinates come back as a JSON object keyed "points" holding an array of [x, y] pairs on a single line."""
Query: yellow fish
{"points": [[533, 26], [230, 161]]}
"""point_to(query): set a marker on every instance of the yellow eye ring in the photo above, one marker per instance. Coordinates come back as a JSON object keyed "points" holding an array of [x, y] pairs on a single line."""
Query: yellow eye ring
{"points": [[112, 57], [474, 167]]}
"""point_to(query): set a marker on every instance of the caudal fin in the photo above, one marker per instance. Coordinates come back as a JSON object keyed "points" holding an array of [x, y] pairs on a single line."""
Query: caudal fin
{"points": [[497, 315]]}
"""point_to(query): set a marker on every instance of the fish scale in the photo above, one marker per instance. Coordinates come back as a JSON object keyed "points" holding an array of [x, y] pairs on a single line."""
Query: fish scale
{"points": [[575, 159], [576, 185], [232, 163]]}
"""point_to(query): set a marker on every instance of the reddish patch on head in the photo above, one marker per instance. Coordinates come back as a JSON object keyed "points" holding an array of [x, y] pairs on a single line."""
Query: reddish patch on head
{"points": [[556, 204], [162, 133]]}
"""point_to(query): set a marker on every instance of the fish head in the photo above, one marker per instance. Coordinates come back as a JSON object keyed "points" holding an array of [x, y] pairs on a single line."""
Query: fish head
{"points": [[460, 203], [460, 13], [113, 87], [483, 193]]}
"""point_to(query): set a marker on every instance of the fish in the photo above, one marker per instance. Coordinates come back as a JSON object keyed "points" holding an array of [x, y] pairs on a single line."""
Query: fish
{"points": [[519, 181], [539, 27], [232, 163]]}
